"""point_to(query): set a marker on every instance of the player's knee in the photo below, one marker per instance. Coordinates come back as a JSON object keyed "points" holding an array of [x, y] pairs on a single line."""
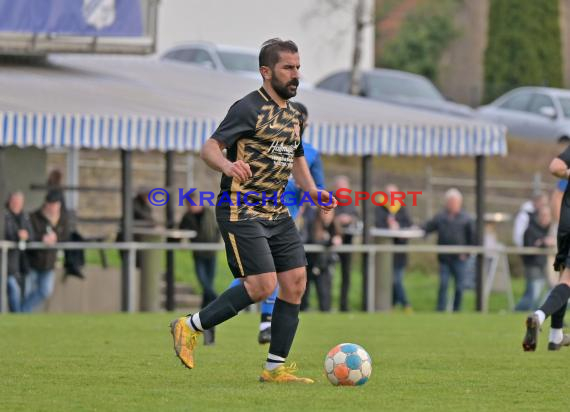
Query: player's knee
{"points": [[299, 284], [259, 291]]}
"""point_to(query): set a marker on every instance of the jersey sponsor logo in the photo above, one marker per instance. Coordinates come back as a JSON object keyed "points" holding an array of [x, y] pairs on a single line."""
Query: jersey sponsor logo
{"points": [[279, 147]]}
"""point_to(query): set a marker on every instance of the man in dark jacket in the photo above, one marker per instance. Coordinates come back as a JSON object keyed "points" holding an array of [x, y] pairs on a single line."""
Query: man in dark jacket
{"points": [[49, 226], [321, 229], [346, 216], [454, 226], [396, 217], [202, 220], [17, 228], [536, 235]]}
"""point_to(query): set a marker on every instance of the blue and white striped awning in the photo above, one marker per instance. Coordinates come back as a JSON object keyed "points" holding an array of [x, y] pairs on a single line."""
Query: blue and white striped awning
{"points": [[51, 130], [45, 130], [408, 140], [141, 104]]}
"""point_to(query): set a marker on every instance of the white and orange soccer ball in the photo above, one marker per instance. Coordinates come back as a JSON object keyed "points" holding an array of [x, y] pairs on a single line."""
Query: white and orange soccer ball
{"points": [[348, 364]]}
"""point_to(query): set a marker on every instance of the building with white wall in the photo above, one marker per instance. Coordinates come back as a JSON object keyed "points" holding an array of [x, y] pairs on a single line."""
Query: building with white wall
{"points": [[323, 29]]}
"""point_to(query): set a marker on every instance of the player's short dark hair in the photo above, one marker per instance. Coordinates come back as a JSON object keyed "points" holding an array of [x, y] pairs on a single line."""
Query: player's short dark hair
{"points": [[269, 53], [564, 140]]}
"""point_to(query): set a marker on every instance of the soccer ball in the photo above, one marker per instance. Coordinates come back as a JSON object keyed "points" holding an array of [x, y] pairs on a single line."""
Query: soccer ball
{"points": [[348, 364]]}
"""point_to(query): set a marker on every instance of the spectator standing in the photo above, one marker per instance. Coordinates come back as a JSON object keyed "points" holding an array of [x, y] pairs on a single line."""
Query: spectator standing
{"points": [[396, 217], [536, 235], [320, 229], [454, 226], [346, 217], [17, 228], [48, 226]]}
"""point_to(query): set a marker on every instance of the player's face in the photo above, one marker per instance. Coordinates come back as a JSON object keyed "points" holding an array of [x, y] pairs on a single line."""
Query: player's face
{"points": [[285, 75]]}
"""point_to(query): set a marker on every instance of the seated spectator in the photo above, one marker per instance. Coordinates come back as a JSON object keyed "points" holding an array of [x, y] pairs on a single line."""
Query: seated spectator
{"points": [[17, 228], [536, 235], [49, 226], [454, 226]]}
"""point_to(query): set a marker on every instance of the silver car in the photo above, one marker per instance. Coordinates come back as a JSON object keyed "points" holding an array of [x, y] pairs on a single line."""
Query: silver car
{"points": [[397, 87], [239, 60], [532, 112]]}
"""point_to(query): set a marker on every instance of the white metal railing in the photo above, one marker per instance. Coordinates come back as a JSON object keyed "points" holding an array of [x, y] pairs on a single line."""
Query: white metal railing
{"points": [[369, 249]]}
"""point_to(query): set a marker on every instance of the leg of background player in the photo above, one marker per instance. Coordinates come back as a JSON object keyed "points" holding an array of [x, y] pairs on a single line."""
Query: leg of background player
{"points": [[557, 298], [266, 313]]}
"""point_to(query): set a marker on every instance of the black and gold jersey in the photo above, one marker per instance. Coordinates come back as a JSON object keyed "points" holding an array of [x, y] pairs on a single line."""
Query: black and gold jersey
{"points": [[267, 138]]}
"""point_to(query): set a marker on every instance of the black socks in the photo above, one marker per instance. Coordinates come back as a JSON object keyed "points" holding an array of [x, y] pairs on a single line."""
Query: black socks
{"points": [[283, 327], [226, 306], [557, 298]]}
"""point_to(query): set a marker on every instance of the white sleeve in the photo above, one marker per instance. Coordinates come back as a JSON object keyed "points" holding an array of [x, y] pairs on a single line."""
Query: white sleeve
{"points": [[519, 227]]}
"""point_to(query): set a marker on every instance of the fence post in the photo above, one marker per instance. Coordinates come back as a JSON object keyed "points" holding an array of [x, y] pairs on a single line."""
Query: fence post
{"points": [[371, 277], [537, 183], [429, 192], [4, 279]]}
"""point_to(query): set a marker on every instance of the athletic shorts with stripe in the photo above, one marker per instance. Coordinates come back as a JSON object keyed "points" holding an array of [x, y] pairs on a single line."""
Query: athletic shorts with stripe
{"points": [[261, 246]]}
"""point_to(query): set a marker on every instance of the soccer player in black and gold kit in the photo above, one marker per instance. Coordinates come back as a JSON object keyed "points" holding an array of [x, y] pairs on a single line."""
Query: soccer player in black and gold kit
{"points": [[262, 135], [555, 304]]}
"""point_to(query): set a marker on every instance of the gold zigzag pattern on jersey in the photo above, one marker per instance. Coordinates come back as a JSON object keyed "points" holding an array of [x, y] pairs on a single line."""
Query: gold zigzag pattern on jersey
{"points": [[266, 116]]}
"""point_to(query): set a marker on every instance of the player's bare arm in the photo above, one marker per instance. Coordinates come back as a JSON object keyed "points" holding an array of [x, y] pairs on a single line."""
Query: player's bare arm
{"points": [[559, 169], [303, 177], [212, 154]]}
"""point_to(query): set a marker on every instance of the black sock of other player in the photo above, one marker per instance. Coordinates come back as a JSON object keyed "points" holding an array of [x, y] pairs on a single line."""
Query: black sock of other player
{"points": [[283, 329], [266, 317], [557, 298], [226, 306], [557, 320]]}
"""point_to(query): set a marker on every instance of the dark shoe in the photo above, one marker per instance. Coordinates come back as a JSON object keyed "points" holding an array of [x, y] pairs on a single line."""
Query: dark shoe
{"points": [[264, 336], [209, 337], [557, 346], [531, 336]]}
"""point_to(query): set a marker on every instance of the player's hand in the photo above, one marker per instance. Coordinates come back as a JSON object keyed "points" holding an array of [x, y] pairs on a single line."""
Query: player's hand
{"points": [[239, 170], [325, 201]]}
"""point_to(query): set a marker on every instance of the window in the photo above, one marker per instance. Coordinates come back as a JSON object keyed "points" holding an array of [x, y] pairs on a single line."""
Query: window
{"points": [[202, 57], [519, 101], [539, 101], [389, 86], [339, 82], [565, 103], [235, 61]]}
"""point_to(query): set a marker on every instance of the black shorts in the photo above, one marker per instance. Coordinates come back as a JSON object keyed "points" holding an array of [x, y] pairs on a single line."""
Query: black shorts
{"points": [[261, 246]]}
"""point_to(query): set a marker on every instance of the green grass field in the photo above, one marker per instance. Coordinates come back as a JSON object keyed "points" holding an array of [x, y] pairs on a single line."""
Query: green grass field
{"points": [[433, 362]]}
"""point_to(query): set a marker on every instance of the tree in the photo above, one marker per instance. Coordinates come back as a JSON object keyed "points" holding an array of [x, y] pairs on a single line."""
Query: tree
{"points": [[524, 46]]}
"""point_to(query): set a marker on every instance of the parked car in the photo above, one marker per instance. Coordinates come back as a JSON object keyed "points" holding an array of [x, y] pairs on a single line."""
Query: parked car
{"points": [[397, 87], [532, 112], [238, 60], [233, 59]]}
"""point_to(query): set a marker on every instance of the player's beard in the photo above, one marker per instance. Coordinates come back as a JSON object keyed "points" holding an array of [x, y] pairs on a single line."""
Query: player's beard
{"points": [[283, 90]]}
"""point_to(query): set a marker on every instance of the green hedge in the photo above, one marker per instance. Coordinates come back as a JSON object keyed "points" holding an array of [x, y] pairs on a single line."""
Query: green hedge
{"points": [[524, 46], [423, 36]]}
